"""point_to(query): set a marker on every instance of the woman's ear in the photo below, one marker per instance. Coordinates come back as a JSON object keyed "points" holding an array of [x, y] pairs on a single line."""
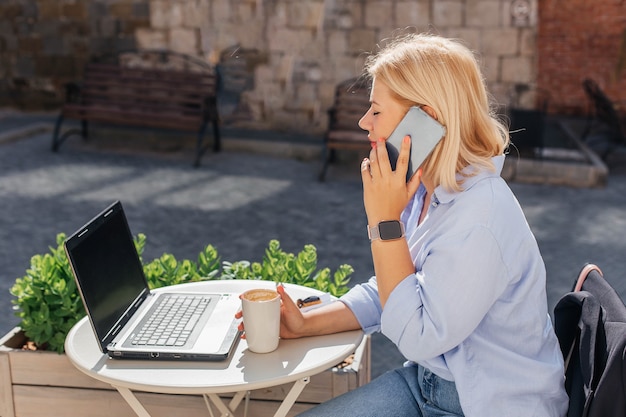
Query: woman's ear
{"points": [[429, 110]]}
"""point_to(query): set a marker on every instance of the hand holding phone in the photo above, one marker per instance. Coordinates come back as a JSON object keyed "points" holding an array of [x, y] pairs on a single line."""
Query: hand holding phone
{"points": [[425, 133]]}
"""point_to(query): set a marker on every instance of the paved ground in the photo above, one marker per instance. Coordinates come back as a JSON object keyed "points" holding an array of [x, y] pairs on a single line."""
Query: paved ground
{"points": [[238, 201]]}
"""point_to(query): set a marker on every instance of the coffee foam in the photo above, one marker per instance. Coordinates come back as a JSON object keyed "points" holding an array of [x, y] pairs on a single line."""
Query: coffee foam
{"points": [[260, 295]]}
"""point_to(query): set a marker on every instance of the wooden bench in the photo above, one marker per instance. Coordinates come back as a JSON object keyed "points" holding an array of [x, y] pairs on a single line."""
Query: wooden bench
{"points": [[162, 97], [350, 104]]}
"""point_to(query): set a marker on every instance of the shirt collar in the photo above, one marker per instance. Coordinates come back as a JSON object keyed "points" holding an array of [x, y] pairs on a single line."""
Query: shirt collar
{"points": [[441, 195]]}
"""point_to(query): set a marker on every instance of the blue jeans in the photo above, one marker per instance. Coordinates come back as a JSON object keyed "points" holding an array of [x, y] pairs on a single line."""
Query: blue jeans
{"points": [[403, 392]]}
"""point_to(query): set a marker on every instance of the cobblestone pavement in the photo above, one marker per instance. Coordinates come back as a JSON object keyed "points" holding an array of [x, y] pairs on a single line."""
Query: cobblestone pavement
{"points": [[238, 201]]}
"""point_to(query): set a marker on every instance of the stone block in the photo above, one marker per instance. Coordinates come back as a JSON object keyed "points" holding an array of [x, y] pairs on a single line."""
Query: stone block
{"points": [[49, 10], [194, 14], [62, 66], [108, 26], [53, 46], [151, 38], [221, 11], [264, 75], [490, 65], [158, 14], [49, 28], [500, 42], [290, 40], [346, 67], [9, 43], [29, 11], [96, 10], [448, 13], [413, 14], [293, 121], [518, 69], [379, 13], [305, 14], [69, 29], [141, 10], [250, 36], [6, 28], [165, 14], [24, 67], [361, 40], [483, 13], [528, 42], [79, 47], [337, 41], [351, 15], [74, 11], [327, 94], [343, 20], [30, 45], [120, 10], [225, 38], [246, 13], [500, 92], [121, 43], [10, 11], [184, 40], [470, 37]]}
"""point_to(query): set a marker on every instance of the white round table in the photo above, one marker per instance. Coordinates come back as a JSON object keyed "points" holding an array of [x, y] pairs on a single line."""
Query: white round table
{"points": [[295, 360]]}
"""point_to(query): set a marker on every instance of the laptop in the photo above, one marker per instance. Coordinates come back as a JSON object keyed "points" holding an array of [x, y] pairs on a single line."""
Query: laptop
{"points": [[129, 320]]}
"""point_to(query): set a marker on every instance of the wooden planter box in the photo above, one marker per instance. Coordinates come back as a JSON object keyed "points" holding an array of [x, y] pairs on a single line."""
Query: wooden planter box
{"points": [[39, 383]]}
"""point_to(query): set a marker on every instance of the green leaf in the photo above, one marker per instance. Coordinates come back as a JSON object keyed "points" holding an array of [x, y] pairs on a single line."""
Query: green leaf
{"points": [[47, 302]]}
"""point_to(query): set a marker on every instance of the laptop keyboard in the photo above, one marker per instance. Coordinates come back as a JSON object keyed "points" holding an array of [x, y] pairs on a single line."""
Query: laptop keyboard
{"points": [[173, 321]]}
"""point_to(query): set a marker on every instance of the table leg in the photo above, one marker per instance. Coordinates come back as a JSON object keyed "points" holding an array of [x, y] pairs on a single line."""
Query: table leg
{"points": [[133, 402], [227, 411], [291, 398]]}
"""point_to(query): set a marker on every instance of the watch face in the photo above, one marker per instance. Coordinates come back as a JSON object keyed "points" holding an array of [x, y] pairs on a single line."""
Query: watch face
{"points": [[390, 230]]}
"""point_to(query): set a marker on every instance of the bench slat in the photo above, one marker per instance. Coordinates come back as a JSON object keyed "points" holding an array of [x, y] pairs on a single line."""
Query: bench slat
{"points": [[164, 102], [157, 98], [147, 87], [134, 117]]}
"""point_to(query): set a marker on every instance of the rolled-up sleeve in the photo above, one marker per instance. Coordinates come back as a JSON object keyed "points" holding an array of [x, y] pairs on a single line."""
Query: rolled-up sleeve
{"points": [[364, 302]]}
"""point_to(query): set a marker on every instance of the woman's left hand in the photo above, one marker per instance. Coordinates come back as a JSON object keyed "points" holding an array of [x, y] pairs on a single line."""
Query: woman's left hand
{"points": [[385, 192]]}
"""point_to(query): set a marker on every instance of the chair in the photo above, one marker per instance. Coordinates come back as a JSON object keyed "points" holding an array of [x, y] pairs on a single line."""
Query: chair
{"points": [[351, 103], [605, 129], [590, 323]]}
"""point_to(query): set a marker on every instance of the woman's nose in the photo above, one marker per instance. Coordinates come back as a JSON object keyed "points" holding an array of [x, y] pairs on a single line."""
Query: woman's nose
{"points": [[364, 123]]}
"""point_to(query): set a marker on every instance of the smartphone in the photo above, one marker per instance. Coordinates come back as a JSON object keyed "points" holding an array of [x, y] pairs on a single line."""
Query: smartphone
{"points": [[425, 133]]}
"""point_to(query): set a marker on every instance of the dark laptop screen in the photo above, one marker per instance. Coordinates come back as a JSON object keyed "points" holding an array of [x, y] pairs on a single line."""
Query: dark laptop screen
{"points": [[107, 268]]}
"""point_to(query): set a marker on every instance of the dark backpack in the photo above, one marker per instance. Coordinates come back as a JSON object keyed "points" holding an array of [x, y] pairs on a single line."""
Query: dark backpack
{"points": [[590, 323]]}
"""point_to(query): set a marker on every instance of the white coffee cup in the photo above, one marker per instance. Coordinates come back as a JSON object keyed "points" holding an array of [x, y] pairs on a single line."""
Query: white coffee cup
{"points": [[261, 319]]}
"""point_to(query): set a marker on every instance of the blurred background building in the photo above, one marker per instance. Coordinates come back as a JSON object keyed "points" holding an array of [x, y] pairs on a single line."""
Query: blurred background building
{"points": [[294, 52]]}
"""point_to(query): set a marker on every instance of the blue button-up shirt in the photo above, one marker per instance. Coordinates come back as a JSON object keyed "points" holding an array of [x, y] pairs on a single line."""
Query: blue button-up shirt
{"points": [[475, 310]]}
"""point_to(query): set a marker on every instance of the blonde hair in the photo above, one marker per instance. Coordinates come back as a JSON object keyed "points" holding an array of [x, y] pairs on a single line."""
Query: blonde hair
{"points": [[425, 69]]}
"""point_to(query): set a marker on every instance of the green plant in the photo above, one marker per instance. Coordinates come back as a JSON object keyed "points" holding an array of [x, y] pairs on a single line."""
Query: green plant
{"points": [[47, 300], [48, 303], [301, 269], [166, 270]]}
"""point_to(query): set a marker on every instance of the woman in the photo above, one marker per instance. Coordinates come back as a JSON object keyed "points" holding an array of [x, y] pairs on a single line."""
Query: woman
{"points": [[462, 293]]}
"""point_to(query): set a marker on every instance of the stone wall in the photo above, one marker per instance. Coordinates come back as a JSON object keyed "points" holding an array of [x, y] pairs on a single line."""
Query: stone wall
{"points": [[307, 47], [293, 51], [45, 43]]}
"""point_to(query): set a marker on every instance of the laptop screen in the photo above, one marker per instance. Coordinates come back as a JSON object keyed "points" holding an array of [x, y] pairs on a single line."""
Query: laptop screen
{"points": [[108, 270]]}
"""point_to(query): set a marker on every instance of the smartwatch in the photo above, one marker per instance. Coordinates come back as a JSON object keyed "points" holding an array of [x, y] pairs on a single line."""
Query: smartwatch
{"points": [[386, 230]]}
